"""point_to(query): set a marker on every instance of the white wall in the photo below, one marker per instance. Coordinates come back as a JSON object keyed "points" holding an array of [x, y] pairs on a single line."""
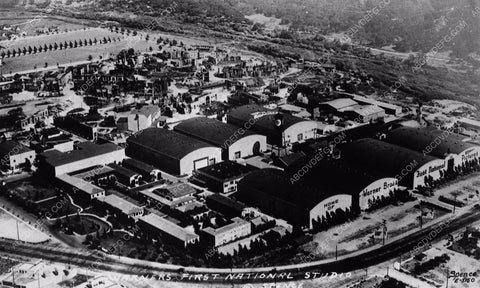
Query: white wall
{"points": [[379, 188], [432, 168], [330, 204], [245, 146], [19, 159], [115, 156], [186, 163], [307, 128]]}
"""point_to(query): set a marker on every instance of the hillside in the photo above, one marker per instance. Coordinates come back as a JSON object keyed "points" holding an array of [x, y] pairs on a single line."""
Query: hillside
{"points": [[408, 25]]}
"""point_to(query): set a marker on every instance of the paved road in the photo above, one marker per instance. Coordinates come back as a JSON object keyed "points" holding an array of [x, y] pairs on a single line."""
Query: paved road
{"points": [[97, 261]]}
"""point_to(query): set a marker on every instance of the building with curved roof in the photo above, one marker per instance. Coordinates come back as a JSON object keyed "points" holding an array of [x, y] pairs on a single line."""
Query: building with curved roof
{"points": [[172, 152], [439, 143], [365, 185], [281, 129], [235, 142], [272, 191], [410, 167]]}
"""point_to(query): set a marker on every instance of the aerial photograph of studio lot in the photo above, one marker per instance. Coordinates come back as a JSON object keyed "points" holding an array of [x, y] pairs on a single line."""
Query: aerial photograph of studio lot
{"points": [[134, 156]]}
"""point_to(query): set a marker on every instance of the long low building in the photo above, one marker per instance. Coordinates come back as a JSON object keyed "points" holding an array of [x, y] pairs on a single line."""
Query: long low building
{"points": [[126, 176], [223, 177], [177, 235], [366, 185], [173, 196], [439, 143], [148, 172], [123, 206], [172, 152], [222, 235], [235, 142], [281, 129], [85, 156], [412, 168], [14, 155], [79, 187], [273, 192]]}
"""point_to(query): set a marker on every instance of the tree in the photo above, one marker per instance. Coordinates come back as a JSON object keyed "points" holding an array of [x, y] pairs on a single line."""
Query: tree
{"points": [[28, 165], [90, 58], [46, 65]]}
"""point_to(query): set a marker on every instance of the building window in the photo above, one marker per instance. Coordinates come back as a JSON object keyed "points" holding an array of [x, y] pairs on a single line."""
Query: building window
{"points": [[300, 137], [238, 155]]}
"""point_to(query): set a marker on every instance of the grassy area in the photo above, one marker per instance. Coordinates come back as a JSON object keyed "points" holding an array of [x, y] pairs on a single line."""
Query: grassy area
{"points": [[6, 265], [75, 35], [24, 19], [81, 225], [31, 190], [57, 207], [75, 281]]}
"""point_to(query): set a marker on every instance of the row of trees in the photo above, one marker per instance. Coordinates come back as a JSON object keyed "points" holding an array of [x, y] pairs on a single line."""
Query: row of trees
{"points": [[446, 176], [394, 197], [333, 218], [56, 46]]}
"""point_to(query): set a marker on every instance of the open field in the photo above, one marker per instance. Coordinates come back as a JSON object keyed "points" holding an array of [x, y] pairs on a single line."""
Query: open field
{"points": [[26, 232], [90, 33], [271, 23], [438, 270], [359, 234], [31, 21]]}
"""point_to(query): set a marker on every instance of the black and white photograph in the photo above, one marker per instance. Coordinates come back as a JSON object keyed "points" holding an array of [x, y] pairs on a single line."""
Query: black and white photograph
{"points": [[239, 143]]}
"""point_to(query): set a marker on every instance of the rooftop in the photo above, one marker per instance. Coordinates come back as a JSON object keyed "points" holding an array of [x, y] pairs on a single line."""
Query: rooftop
{"points": [[375, 102], [263, 119], [367, 110], [209, 130], [277, 183], [86, 150], [381, 156], [469, 122], [122, 170], [225, 201], [147, 111], [226, 170], [340, 103], [12, 148], [178, 190], [168, 227], [120, 203], [419, 139], [167, 142], [138, 165], [80, 184], [236, 222]]}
